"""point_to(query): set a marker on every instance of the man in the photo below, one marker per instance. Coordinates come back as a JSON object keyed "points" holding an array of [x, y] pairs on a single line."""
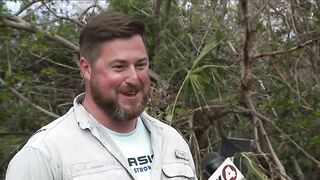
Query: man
{"points": [[106, 134]]}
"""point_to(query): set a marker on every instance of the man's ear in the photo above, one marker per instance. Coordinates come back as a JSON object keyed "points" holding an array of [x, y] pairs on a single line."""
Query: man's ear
{"points": [[85, 68]]}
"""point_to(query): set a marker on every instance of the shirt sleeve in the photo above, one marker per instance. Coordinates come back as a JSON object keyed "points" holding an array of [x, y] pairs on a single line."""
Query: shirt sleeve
{"points": [[29, 164]]}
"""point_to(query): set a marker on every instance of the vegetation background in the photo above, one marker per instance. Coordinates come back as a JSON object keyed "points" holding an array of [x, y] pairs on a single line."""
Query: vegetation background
{"points": [[246, 69]]}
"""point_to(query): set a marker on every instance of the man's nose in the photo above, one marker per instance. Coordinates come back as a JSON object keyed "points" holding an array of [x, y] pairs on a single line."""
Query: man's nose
{"points": [[132, 76]]}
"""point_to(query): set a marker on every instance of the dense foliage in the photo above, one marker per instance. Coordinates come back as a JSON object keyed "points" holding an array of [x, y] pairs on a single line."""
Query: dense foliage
{"points": [[246, 69]]}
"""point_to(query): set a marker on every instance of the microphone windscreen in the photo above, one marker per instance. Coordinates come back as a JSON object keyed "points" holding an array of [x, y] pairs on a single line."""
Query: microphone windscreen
{"points": [[211, 162]]}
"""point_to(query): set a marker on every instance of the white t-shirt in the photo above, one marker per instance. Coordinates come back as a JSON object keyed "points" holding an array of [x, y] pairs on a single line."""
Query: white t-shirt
{"points": [[136, 147]]}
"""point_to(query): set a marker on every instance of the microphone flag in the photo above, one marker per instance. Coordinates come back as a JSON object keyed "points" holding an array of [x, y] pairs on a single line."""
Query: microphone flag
{"points": [[227, 171]]}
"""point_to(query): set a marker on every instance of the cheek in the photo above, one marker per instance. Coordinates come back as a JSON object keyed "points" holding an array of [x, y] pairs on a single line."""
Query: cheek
{"points": [[146, 79], [113, 83], [108, 81]]}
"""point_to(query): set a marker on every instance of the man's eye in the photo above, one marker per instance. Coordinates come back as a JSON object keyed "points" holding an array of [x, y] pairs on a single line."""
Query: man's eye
{"points": [[118, 67], [141, 66]]}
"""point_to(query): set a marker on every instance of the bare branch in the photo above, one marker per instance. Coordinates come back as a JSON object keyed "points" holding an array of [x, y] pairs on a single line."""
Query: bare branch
{"points": [[32, 11], [157, 78], [283, 80], [140, 10], [297, 168], [56, 63], [20, 96], [61, 17], [88, 8], [260, 10], [288, 50], [156, 9], [167, 10], [288, 137], [26, 7], [18, 23]]}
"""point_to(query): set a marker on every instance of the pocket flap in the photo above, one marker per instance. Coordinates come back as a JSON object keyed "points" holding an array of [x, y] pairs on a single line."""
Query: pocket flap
{"points": [[177, 170]]}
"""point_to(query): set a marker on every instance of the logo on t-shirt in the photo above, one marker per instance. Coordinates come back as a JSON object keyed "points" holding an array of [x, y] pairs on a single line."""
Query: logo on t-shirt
{"points": [[140, 164]]}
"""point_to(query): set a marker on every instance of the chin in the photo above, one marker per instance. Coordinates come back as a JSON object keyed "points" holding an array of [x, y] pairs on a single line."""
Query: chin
{"points": [[133, 110]]}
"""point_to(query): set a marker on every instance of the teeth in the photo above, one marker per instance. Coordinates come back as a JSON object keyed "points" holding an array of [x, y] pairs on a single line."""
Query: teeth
{"points": [[131, 93]]}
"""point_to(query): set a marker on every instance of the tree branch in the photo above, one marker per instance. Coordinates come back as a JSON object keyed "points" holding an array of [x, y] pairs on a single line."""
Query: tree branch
{"points": [[32, 11], [288, 137], [288, 50], [20, 96], [297, 168], [88, 8], [260, 134], [18, 23], [56, 63], [61, 17], [139, 10], [25, 7], [300, 98]]}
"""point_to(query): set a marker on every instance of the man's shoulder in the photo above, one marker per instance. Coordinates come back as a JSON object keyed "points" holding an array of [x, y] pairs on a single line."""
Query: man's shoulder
{"points": [[174, 140], [53, 130]]}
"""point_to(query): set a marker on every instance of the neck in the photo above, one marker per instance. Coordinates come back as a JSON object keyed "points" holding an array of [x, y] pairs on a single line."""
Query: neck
{"points": [[105, 120]]}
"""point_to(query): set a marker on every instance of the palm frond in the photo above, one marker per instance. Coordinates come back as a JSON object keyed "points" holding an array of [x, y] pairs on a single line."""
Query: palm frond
{"points": [[191, 74]]}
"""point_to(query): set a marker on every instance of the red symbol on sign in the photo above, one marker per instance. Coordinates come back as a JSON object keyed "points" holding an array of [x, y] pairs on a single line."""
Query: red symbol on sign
{"points": [[229, 172]]}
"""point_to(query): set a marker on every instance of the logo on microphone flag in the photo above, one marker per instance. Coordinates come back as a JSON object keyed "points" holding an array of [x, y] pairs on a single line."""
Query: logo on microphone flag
{"points": [[227, 171]]}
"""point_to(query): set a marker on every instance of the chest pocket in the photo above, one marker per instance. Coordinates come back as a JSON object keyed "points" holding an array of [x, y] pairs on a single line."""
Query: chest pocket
{"points": [[177, 171], [98, 171]]}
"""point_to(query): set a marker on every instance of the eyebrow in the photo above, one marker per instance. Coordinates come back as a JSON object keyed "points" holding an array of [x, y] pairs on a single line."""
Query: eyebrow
{"points": [[118, 61], [143, 59], [125, 61]]}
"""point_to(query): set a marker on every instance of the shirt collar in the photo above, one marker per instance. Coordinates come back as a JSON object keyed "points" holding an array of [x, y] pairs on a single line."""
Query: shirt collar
{"points": [[82, 115]]}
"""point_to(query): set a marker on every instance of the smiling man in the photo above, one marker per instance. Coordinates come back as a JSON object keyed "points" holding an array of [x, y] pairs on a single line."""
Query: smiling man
{"points": [[106, 134]]}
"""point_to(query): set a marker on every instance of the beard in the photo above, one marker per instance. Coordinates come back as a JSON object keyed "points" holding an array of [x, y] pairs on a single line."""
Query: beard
{"points": [[111, 107]]}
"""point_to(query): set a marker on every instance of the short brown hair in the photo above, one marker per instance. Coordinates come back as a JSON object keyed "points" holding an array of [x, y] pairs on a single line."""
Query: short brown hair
{"points": [[104, 27]]}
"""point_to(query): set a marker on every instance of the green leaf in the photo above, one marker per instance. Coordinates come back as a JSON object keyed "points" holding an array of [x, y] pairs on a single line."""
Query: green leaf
{"points": [[24, 78], [212, 43], [48, 70], [4, 96]]}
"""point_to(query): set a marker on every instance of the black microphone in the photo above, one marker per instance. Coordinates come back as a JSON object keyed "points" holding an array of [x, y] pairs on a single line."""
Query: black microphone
{"points": [[211, 162], [218, 167]]}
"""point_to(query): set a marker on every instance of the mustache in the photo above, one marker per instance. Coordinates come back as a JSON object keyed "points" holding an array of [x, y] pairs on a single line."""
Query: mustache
{"points": [[130, 88]]}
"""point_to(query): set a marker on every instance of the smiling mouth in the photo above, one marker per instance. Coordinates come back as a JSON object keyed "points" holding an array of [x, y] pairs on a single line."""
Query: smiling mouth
{"points": [[130, 93]]}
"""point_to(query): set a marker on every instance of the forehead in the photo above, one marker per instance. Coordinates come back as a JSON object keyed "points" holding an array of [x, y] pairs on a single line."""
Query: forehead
{"points": [[128, 43], [129, 48]]}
